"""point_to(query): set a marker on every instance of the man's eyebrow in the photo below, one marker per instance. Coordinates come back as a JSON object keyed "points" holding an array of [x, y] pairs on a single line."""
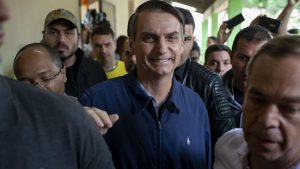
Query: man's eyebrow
{"points": [[242, 54], [285, 99], [149, 34], [173, 33], [256, 92]]}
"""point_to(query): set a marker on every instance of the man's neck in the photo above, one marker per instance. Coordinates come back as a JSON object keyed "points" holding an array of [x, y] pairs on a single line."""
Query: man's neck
{"points": [[70, 61], [237, 85], [159, 88], [108, 65], [260, 163]]}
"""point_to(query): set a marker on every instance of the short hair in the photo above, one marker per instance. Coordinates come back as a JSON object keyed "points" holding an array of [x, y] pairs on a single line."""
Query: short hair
{"points": [[102, 30], [253, 33], [154, 5], [120, 41], [195, 47], [130, 26], [280, 47], [53, 53], [187, 16], [215, 48], [213, 38]]}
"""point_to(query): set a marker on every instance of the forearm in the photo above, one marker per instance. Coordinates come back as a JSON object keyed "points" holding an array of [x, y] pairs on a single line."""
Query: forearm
{"points": [[284, 17]]}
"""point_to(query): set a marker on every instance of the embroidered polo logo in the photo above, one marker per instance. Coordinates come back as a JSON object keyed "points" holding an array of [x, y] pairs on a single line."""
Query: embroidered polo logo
{"points": [[188, 141]]}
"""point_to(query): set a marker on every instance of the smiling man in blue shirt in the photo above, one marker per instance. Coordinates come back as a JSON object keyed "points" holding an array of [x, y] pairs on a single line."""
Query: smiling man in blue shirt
{"points": [[162, 124]]}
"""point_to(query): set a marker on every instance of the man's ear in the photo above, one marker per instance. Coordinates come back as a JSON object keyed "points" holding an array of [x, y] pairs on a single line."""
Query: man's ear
{"points": [[43, 39], [131, 45]]}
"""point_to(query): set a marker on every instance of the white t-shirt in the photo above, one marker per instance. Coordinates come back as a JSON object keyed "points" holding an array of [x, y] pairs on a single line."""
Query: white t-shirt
{"points": [[231, 151]]}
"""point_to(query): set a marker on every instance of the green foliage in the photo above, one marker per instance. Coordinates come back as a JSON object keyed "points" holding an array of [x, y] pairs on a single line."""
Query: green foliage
{"points": [[273, 7]]}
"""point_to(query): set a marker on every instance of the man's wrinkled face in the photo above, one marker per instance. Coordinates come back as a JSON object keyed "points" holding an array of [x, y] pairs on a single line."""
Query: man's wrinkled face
{"points": [[62, 35], [158, 44], [35, 66], [272, 109]]}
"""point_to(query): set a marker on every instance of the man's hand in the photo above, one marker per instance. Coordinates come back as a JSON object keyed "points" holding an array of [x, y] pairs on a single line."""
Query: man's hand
{"points": [[102, 119], [223, 33], [292, 2]]}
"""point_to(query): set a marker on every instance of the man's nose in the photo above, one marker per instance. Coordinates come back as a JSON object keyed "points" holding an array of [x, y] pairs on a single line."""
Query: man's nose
{"points": [[162, 45], [61, 37], [268, 116]]}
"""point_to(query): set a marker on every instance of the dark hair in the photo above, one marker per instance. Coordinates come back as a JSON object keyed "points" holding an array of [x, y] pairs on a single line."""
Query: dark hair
{"points": [[195, 46], [213, 38], [154, 5], [120, 41], [254, 33], [280, 47], [215, 48], [102, 30], [187, 16], [53, 53]]}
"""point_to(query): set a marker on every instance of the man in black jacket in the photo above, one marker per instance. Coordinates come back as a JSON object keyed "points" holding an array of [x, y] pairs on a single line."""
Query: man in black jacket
{"points": [[61, 32], [246, 43], [207, 84]]}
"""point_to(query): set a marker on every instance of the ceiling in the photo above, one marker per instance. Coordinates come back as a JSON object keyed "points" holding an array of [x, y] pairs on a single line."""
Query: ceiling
{"points": [[200, 5]]}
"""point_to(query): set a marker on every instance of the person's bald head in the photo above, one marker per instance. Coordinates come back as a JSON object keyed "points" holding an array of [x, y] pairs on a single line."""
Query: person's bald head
{"points": [[40, 65]]}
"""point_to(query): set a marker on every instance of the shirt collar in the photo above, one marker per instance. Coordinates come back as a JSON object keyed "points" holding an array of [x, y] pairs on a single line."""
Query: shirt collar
{"points": [[142, 99]]}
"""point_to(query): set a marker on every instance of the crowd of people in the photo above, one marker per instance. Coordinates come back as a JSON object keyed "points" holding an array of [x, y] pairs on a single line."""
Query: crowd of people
{"points": [[144, 101]]}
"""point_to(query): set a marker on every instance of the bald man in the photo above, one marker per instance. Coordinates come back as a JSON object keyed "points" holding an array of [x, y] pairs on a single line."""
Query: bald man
{"points": [[40, 65]]}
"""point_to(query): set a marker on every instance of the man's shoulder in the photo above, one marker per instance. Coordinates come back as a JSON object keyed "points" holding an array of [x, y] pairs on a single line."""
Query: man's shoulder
{"points": [[109, 85], [201, 72], [89, 62], [32, 97], [227, 76], [183, 92], [231, 150]]}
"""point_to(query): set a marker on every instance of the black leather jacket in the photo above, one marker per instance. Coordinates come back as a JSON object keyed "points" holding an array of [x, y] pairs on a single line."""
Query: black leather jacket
{"points": [[210, 88], [233, 103]]}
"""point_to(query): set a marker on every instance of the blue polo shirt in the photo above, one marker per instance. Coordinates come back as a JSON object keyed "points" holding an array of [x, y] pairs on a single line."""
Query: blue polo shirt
{"points": [[179, 138]]}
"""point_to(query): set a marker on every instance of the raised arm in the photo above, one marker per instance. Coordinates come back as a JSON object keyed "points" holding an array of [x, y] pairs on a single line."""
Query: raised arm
{"points": [[285, 15]]}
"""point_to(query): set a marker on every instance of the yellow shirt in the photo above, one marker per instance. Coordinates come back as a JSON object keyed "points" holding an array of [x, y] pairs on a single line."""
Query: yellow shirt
{"points": [[118, 71]]}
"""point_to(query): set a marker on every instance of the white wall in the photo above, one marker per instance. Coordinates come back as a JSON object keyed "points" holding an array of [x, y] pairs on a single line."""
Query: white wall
{"points": [[121, 16], [26, 24], [27, 18]]}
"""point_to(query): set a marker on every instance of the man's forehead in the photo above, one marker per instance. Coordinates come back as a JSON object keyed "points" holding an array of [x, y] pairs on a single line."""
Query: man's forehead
{"points": [[148, 14], [34, 52]]}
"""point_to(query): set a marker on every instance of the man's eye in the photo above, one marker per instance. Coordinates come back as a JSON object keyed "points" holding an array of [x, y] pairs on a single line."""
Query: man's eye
{"points": [[52, 32], [70, 33], [227, 63], [213, 63], [148, 39], [187, 39], [46, 78], [172, 38], [289, 109]]}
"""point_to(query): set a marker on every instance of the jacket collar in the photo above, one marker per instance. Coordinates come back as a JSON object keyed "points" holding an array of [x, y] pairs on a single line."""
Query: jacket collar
{"points": [[141, 99]]}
